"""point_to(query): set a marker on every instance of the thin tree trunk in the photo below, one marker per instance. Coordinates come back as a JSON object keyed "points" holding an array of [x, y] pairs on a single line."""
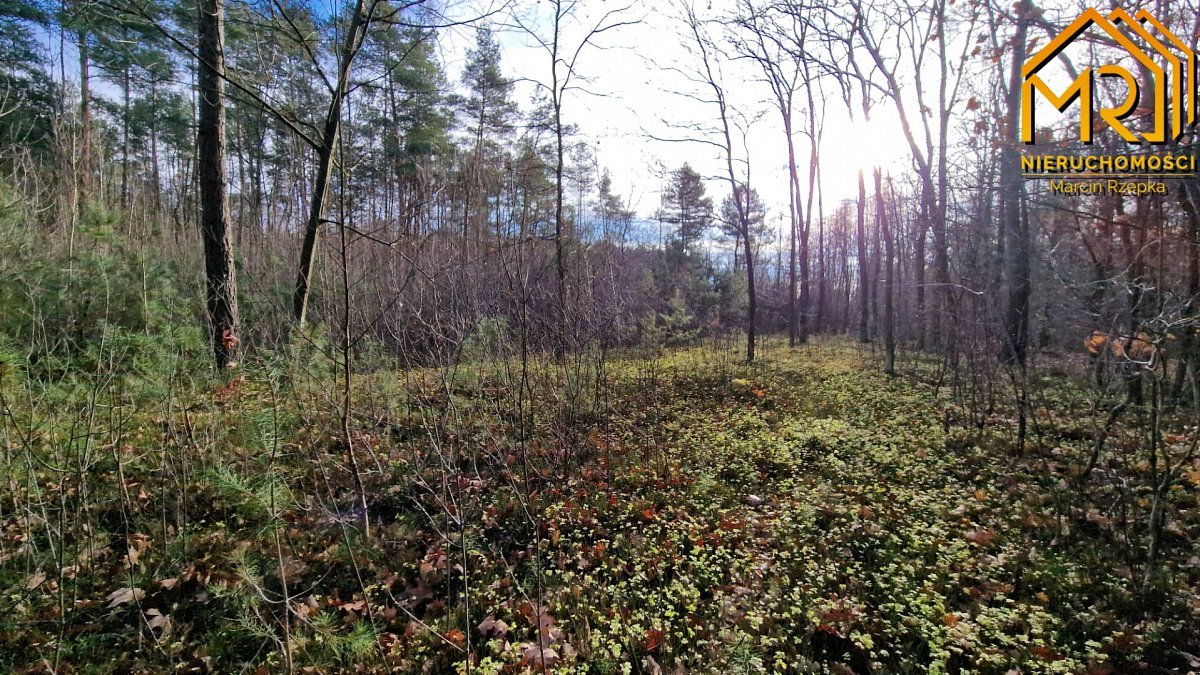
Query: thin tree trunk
{"points": [[935, 306], [944, 323], [325, 153], [742, 209], [125, 141], [1190, 343], [560, 263], [154, 171], [822, 270], [889, 282], [814, 169], [752, 306], [1016, 229], [919, 271], [85, 122], [794, 330], [864, 334], [876, 268]]}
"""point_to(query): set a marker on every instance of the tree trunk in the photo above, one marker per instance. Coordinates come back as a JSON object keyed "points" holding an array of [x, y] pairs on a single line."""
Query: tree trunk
{"points": [[864, 334], [1190, 341], [794, 330], [822, 271], [944, 324], [814, 168], [560, 263], [85, 122], [557, 92], [876, 268], [919, 272], [889, 282], [214, 200], [125, 140], [1015, 227], [752, 306], [156, 179], [936, 304], [743, 209], [325, 154]]}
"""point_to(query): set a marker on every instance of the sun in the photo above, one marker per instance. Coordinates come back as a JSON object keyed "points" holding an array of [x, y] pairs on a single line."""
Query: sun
{"points": [[853, 145]]}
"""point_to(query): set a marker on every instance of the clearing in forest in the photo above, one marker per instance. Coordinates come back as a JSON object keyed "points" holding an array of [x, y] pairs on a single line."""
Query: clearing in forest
{"points": [[804, 514]]}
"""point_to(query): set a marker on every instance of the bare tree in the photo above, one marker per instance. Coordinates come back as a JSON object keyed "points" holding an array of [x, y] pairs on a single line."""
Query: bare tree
{"points": [[360, 20], [764, 45], [708, 75], [564, 75], [920, 33]]}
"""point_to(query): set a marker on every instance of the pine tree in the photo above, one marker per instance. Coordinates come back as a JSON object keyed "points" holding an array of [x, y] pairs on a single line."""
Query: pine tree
{"points": [[686, 206], [488, 112], [28, 102], [613, 215], [756, 216], [488, 108]]}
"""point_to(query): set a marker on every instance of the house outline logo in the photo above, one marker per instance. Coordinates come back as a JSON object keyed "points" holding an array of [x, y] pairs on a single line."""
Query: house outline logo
{"points": [[1179, 78]]}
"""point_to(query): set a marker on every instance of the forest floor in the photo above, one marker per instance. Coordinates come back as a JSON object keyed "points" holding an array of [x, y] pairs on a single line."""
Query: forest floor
{"points": [[698, 515]]}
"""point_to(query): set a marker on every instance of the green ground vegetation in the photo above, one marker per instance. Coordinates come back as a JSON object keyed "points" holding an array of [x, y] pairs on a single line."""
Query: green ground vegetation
{"points": [[660, 511]]}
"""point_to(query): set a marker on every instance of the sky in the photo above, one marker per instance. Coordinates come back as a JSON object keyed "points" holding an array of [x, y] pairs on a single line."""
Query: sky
{"points": [[634, 96]]}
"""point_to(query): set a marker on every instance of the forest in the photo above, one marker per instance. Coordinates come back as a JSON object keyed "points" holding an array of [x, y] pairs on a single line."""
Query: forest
{"points": [[590, 336]]}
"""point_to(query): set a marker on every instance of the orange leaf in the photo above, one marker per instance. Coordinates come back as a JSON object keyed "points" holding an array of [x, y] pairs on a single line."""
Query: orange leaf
{"points": [[1044, 652], [652, 639], [455, 637]]}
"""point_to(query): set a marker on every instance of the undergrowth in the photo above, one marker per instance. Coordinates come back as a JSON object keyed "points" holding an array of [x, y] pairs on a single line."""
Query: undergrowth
{"points": [[803, 514]]}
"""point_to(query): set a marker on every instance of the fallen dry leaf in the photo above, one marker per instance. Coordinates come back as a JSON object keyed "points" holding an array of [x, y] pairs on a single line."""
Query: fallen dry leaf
{"points": [[982, 536], [36, 580], [124, 595]]}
